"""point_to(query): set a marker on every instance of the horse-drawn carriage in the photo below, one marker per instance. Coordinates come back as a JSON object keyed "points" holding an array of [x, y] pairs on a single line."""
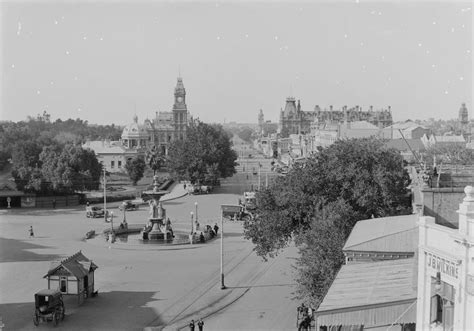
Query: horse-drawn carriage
{"points": [[304, 318], [49, 306]]}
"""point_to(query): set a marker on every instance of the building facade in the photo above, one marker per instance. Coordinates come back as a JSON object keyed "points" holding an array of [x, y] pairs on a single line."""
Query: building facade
{"points": [[446, 271], [293, 120], [136, 138]]}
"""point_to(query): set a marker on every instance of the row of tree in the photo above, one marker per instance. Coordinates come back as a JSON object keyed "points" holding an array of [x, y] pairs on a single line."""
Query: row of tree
{"points": [[43, 132], [47, 158], [318, 203]]}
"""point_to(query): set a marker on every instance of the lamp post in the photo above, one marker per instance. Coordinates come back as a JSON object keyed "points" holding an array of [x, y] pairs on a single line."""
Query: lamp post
{"points": [[112, 221], [222, 252], [196, 207], [192, 223]]}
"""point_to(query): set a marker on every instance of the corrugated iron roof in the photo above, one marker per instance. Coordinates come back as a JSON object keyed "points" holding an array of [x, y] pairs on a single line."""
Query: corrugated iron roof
{"points": [[382, 228], [370, 285]]}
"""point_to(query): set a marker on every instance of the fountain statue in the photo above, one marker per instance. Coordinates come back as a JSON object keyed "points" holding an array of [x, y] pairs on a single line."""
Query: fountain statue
{"points": [[158, 228]]}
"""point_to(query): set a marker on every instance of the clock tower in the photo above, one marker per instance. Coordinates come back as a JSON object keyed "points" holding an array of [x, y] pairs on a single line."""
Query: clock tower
{"points": [[180, 111]]}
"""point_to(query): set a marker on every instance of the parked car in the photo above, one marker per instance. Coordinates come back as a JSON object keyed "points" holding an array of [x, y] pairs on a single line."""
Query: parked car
{"points": [[128, 205], [93, 212], [49, 306], [202, 189]]}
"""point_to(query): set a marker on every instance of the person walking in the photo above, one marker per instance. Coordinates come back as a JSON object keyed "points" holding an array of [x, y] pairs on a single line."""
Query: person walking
{"points": [[54, 203], [191, 325], [216, 228], [200, 324], [32, 234]]}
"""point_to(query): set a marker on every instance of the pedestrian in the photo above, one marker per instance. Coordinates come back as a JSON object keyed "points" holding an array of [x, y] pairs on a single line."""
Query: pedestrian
{"points": [[200, 324], [191, 325], [32, 234], [216, 228], [54, 203]]}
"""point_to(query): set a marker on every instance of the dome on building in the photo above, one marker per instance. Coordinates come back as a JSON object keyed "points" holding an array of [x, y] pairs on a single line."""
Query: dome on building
{"points": [[135, 130]]}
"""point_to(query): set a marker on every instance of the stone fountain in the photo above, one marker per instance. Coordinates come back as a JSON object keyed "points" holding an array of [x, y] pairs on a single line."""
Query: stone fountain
{"points": [[158, 227]]}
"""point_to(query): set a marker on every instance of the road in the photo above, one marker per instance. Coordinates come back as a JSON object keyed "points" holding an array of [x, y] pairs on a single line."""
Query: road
{"points": [[147, 285]]}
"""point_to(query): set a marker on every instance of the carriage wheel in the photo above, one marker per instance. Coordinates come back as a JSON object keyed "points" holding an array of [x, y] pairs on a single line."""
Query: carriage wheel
{"points": [[36, 319]]}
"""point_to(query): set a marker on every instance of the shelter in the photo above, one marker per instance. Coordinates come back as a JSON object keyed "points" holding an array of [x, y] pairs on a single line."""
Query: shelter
{"points": [[375, 295], [74, 275]]}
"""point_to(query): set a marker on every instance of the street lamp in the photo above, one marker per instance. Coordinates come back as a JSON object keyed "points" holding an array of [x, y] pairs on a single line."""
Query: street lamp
{"points": [[222, 251], [192, 223], [196, 207]]}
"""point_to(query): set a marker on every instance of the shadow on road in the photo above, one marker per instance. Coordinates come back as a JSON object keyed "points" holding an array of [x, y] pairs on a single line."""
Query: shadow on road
{"points": [[130, 311], [12, 250]]}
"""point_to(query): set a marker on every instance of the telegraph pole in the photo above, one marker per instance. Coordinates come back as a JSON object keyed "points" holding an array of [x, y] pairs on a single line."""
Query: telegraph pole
{"points": [[105, 199], [222, 251]]}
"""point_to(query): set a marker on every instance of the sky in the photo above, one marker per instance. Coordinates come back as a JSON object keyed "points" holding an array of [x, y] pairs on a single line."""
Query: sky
{"points": [[105, 61]]}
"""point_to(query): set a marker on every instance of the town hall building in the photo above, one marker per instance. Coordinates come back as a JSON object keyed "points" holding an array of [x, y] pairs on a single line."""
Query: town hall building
{"points": [[136, 138]]}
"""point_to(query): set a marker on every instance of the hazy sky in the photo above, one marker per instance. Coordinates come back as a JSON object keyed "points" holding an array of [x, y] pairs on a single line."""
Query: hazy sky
{"points": [[104, 61]]}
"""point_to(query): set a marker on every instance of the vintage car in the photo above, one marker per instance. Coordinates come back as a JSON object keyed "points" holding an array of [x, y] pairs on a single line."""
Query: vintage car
{"points": [[235, 213], [128, 205], [93, 212], [49, 306]]}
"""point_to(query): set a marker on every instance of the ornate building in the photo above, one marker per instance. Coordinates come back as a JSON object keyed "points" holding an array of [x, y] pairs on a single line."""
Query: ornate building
{"points": [[170, 126], [293, 120], [165, 128], [380, 118]]}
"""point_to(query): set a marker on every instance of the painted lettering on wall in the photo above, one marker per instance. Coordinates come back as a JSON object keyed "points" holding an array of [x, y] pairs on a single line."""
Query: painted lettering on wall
{"points": [[442, 265]]}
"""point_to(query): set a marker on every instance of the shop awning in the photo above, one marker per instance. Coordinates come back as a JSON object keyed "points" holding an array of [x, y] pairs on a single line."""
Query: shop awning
{"points": [[401, 312], [371, 294]]}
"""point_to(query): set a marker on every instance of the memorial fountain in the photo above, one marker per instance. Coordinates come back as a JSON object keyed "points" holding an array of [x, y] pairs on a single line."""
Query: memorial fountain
{"points": [[158, 227]]}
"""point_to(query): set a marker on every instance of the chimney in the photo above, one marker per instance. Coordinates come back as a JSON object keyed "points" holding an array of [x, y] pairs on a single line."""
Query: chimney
{"points": [[371, 108]]}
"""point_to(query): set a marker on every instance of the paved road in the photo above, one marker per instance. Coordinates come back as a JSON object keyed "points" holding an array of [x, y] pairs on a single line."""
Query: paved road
{"points": [[146, 285]]}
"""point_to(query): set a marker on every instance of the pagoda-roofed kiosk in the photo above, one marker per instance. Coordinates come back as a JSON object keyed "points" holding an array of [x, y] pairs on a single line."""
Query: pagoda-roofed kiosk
{"points": [[73, 275]]}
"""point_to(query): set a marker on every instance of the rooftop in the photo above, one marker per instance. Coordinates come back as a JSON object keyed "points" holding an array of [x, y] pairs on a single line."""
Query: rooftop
{"points": [[361, 284], [385, 234]]}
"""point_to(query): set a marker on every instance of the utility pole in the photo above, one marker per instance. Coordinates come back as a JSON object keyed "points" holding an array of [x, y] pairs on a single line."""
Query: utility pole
{"points": [[105, 199], [222, 251]]}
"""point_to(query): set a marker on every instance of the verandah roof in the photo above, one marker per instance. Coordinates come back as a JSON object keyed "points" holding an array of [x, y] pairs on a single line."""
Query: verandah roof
{"points": [[373, 293]]}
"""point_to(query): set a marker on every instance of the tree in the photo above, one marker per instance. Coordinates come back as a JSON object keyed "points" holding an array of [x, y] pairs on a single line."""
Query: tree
{"points": [[451, 154], [135, 168], [70, 168], [318, 202], [206, 152], [155, 159]]}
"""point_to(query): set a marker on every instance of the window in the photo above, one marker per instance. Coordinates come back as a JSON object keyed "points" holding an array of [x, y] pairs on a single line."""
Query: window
{"points": [[119, 164], [63, 284], [112, 164]]}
